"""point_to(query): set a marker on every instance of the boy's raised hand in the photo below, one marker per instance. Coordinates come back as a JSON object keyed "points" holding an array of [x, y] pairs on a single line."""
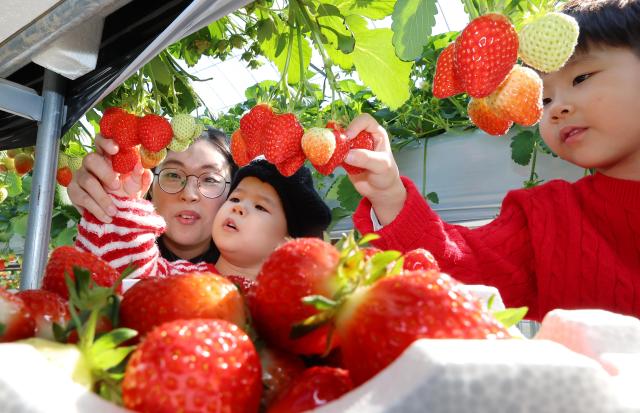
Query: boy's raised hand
{"points": [[380, 183]]}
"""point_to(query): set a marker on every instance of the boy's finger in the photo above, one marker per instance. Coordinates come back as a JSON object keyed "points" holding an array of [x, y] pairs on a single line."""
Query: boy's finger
{"points": [[360, 123], [83, 202], [147, 179], [376, 162]]}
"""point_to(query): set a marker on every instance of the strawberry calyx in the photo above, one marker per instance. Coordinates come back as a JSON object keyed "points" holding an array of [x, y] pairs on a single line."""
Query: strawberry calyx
{"points": [[102, 353]]}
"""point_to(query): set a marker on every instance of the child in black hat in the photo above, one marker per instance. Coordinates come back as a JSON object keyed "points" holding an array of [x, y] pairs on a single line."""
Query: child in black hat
{"points": [[263, 209]]}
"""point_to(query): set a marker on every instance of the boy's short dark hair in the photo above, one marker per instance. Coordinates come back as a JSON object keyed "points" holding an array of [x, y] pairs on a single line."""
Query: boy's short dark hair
{"points": [[614, 23]]}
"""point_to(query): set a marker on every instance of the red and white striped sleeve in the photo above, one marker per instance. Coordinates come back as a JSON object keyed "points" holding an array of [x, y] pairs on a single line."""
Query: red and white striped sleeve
{"points": [[130, 239]]}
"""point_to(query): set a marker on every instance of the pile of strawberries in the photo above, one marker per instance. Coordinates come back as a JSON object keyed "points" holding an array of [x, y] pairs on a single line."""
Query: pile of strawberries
{"points": [[283, 142], [322, 322], [482, 63], [146, 138]]}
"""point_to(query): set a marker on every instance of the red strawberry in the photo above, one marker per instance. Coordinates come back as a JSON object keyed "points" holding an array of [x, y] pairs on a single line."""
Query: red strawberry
{"points": [[15, 320], [108, 118], [485, 53], [239, 149], [485, 117], [64, 176], [296, 269], [342, 148], [63, 259], [417, 304], [519, 97], [279, 370], [154, 301], [446, 82], [125, 160], [419, 259], [23, 163], [364, 140], [125, 130], [316, 387], [318, 145], [291, 165], [46, 308], [252, 125], [193, 366], [281, 138], [155, 132]]}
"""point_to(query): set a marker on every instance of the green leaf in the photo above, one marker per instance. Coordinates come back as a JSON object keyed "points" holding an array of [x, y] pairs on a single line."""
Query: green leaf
{"points": [[373, 9], [160, 72], [266, 29], [319, 302], [433, 197], [347, 195], [110, 358], [333, 28], [379, 263], [379, 68], [113, 339], [65, 237], [14, 184], [522, 146], [310, 324], [270, 48], [413, 21], [217, 29], [510, 316], [19, 224]]}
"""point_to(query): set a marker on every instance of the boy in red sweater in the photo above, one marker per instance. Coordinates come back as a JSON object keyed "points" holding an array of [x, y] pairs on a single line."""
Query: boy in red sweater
{"points": [[559, 245], [262, 210]]}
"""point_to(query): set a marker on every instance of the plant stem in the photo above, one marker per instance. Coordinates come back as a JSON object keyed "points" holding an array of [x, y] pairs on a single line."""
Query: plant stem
{"points": [[532, 175]]}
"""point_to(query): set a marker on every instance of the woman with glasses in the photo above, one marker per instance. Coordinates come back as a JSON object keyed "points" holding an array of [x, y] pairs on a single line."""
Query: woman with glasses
{"points": [[187, 190]]}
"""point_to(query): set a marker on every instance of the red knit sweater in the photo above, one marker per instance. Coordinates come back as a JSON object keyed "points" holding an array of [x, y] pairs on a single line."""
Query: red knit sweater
{"points": [[559, 245]]}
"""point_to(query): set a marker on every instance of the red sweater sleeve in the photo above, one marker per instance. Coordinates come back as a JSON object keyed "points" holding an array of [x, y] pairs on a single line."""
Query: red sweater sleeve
{"points": [[498, 254], [130, 239]]}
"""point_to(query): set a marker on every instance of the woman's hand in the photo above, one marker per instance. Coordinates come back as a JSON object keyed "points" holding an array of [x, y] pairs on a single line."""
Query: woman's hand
{"points": [[91, 184], [380, 183]]}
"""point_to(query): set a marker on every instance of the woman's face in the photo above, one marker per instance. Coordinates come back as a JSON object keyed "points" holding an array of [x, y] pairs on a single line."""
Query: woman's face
{"points": [[189, 214]]}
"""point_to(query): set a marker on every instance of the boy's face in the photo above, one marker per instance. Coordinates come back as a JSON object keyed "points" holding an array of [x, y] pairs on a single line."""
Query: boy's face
{"points": [[592, 111], [251, 223]]}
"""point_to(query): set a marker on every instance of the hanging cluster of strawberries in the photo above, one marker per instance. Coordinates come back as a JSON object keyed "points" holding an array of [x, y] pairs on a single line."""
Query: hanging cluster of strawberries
{"points": [[355, 309], [146, 138], [283, 142], [483, 63]]}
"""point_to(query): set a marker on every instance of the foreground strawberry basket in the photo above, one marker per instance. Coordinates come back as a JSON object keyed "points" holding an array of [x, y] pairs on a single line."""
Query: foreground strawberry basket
{"points": [[346, 329]]}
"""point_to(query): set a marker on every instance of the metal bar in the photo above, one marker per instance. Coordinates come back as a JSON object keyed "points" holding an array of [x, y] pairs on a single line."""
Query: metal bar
{"points": [[36, 245], [20, 100]]}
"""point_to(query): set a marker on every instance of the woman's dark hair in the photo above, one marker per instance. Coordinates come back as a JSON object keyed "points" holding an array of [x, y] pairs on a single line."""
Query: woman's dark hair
{"points": [[220, 140], [614, 23]]}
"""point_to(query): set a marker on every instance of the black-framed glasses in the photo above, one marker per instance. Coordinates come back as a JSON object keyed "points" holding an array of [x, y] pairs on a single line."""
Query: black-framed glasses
{"points": [[210, 184]]}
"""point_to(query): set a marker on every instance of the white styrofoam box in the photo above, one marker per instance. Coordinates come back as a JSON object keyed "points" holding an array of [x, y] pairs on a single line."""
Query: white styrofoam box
{"points": [[625, 369], [592, 332], [30, 384], [75, 53], [492, 376]]}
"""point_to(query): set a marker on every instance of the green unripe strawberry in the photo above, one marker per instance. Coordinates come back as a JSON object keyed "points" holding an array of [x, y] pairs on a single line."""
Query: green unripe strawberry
{"points": [[548, 42], [178, 145], [197, 131], [63, 160], [183, 126], [74, 162]]}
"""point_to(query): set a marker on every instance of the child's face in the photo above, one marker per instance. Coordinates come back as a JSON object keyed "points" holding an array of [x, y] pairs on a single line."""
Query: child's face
{"points": [[251, 223], [592, 110]]}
